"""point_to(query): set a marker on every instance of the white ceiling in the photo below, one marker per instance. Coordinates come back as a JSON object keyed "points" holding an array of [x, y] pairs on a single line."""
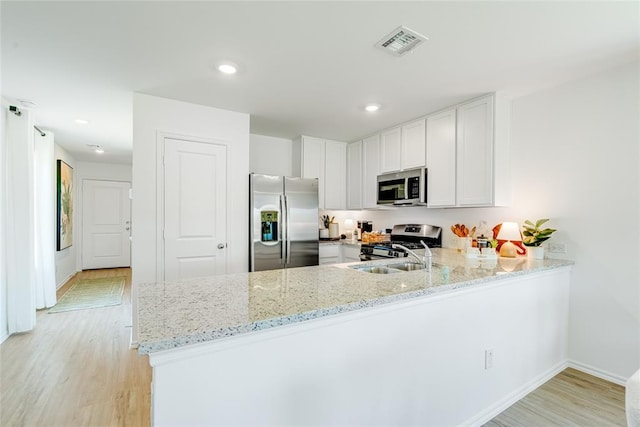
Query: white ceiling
{"points": [[306, 67]]}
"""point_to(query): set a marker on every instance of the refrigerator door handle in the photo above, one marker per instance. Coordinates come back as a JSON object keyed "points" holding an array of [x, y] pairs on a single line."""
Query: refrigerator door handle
{"points": [[287, 222], [282, 231]]}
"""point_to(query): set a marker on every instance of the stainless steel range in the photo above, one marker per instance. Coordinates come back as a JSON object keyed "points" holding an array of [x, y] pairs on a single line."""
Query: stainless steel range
{"points": [[408, 235]]}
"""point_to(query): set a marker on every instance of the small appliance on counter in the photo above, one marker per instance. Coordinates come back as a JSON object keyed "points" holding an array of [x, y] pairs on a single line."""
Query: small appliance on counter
{"points": [[364, 225], [408, 235]]}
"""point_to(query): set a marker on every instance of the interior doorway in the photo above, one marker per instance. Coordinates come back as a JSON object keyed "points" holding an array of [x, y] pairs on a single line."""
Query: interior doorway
{"points": [[106, 224], [195, 209]]}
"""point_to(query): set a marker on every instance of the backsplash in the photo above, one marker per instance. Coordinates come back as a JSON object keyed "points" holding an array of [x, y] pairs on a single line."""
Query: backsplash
{"points": [[445, 218]]}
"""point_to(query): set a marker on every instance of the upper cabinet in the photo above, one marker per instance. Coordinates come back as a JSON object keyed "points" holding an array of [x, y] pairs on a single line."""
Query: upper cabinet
{"points": [[475, 153], [370, 171], [390, 141], [465, 149], [467, 154], [403, 147], [327, 161], [354, 175], [363, 168], [335, 175], [441, 159], [412, 149]]}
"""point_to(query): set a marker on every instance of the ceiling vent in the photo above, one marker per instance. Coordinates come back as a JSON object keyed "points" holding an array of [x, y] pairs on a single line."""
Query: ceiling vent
{"points": [[401, 40]]}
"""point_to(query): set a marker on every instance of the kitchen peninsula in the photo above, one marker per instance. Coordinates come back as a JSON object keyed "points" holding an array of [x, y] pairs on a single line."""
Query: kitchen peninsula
{"points": [[331, 345]]}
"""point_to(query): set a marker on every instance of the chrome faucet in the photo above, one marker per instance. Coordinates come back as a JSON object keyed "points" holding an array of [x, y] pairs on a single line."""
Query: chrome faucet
{"points": [[426, 260], [410, 252], [427, 256]]}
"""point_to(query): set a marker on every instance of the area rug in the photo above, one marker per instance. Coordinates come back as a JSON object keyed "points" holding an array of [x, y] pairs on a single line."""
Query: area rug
{"points": [[91, 293]]}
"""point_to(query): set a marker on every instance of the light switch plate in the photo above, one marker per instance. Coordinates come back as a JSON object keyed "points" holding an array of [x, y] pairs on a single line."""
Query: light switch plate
{"points": [[557, 248]]}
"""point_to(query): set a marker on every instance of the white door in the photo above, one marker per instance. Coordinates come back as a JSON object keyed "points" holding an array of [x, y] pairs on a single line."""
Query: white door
{"points": [[106, 224], [195, 205]]}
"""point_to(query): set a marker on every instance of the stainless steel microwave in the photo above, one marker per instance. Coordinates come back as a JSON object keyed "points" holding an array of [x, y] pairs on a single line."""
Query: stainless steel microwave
{"points": [[406, 188]]}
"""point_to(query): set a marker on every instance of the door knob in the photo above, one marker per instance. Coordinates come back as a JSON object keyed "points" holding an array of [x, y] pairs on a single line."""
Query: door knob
{"points": [[127, 228], [221, 245]]}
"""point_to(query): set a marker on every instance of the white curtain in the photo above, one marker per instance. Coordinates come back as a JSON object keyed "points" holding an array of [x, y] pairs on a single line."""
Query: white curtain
{"points": [[19, 222], [45, 219]]}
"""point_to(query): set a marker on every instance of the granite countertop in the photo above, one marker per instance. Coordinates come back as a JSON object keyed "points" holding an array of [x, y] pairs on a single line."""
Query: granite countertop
{"points": [[176, 314], [339, 242]]}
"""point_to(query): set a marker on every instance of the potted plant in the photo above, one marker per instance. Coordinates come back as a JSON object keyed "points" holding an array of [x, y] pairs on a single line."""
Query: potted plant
{"points": [[534, 236]]}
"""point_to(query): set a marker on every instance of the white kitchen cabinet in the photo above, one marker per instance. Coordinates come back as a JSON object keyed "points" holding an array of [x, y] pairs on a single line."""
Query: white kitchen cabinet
{"points": [[475, 153], [441, 159], [350, 253], [312, 160], [403, 147], [329, 253], [335, 175], [468, 154], [390, 143], [363, 167], [338, 252], [354, 175], [370, 171], [412, 147], [327, 161]]}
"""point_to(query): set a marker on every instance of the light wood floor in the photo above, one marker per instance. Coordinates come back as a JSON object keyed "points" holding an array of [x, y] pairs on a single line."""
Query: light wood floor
{"points": [[76, 368], [571, 398]]}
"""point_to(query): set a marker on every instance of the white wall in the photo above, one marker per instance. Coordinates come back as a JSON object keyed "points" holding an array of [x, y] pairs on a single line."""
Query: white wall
{"points": [[4, 330], [151, 116], [66, 258], [270, 155], [586, 134], [101, 171], [575, 160]]}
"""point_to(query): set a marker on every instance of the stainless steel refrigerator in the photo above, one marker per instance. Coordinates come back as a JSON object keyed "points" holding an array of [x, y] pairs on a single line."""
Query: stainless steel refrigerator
{"points": [[283, 224]]}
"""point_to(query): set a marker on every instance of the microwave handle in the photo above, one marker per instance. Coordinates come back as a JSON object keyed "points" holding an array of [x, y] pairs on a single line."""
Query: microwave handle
{"points": [[406, 188]]}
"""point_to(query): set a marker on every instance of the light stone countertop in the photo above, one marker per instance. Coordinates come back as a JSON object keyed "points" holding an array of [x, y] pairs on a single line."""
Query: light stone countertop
{"points": [[339, 242], [176, 314]]}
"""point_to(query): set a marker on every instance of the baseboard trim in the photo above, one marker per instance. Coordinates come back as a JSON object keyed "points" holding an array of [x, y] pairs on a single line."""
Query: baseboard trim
{"points": [[3, 338], [491, 412], [597, 372], [69, 277]]}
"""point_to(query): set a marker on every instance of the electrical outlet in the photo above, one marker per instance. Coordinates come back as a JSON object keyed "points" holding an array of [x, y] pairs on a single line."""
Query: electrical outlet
{"points": [[558, 248], [488, 359]]}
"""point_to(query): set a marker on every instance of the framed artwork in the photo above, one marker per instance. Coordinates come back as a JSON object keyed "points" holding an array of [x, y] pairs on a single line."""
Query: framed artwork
{"points": [[65, 205]]}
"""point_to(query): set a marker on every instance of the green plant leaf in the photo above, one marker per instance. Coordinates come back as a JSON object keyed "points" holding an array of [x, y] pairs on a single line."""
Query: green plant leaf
{"points": [[541, 221], [529, 223]]}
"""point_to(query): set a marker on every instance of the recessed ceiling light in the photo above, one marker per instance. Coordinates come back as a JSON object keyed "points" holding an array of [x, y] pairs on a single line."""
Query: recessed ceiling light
{"points": [[372, 107], [97, 148], [227, 68], [82, 121]]}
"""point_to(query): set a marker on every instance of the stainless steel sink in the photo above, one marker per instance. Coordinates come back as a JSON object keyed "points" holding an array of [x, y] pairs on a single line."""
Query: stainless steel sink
{"points": [[376, 269], [389, 268], [407, 266]]}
